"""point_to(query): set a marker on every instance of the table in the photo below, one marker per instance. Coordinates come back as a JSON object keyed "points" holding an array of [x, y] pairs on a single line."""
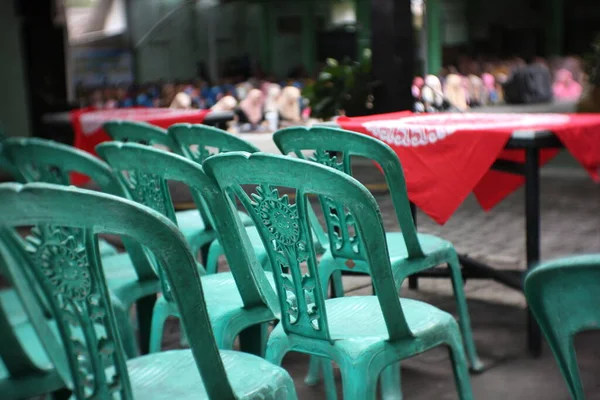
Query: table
{"points": [[59, 127], [532, 142]]}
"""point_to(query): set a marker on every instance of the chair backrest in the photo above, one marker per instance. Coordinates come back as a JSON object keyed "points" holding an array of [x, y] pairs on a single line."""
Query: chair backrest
{"points": [[40, 160], [286, 232], [152, 169], [138, 132], [17, 266], [324, 141], [69, 270], [339, 223], [563, 296], [198, 142]]}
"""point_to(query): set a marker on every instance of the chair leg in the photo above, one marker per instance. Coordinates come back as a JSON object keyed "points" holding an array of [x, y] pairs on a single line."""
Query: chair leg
{"points": [[314, 371], [126, 331], [159, 316], [459, 365], [564, 352], [328, 379], [204, 251], [358, 383], [391, 386], [463, 315], [212, 259], [144, 310], [252, 339], [338, 286]]}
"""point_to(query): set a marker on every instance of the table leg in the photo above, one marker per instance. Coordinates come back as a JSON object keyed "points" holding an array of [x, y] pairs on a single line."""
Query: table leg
{"points": [[532, 229], [413, 280]]}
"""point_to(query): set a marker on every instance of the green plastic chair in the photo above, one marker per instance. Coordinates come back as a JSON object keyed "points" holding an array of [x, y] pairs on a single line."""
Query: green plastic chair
{"points": [[6, 164], [197, 143], [563, 297], [410, 251], [69, 270], [25, 369], [131, 276], [194, 224], [235, 305], [362, 334]]}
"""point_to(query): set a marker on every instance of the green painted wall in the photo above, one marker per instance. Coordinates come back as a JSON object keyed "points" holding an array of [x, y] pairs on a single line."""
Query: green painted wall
{"points": [[14, 109]]}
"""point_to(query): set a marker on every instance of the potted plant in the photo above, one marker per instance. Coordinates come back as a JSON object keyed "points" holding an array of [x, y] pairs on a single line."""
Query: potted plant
{"points": [[342, 88], [590, 100]]}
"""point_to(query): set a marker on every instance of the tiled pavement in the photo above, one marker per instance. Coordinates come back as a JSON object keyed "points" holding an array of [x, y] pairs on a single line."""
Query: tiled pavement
{"points": [[570, 208]]}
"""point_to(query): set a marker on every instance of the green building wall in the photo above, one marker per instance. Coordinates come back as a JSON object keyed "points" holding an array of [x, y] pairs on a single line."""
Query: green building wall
{"points": [[14, 108]]}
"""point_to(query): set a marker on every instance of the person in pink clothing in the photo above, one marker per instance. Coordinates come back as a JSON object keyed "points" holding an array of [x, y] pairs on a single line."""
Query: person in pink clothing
{"points": [[417, 85], [566, 88], [489, 83]]}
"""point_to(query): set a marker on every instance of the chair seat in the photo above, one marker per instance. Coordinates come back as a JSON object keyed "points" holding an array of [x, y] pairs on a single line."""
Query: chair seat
{"points": [[193, 228], [225, 307], [429, 243], [174, 375], [356, 323], [38, 382], [12, 306], [214, 286], [123, 281], [106, 249], [32, 345]]}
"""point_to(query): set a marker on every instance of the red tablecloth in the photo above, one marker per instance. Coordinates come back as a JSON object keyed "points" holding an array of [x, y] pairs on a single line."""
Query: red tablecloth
{"points": [[88, 132], [447, 156], [87, 123]]}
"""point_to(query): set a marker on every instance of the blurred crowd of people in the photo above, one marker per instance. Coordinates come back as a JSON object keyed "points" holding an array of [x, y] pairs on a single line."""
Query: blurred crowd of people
{"points": [[257, 104], [484, 83]]}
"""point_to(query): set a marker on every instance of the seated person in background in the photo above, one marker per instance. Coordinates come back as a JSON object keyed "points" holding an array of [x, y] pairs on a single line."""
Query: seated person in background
{"points": [[454, 91], [185, 98], [181, 101], [167, 95], [432, 95], [272, 92], [476, 91], [289, 105], [227, 103], [565, 88], [144, 99], [96, 99], [489, 84], [251, 110], [418, 83]]}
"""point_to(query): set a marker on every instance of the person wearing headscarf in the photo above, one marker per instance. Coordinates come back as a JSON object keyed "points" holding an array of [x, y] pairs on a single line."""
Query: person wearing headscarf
{"points": [[227, 103], [454, 91], [272, 92], [476, 90], [251, 108], [182, 101], [289, 104], [431, 93]]}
